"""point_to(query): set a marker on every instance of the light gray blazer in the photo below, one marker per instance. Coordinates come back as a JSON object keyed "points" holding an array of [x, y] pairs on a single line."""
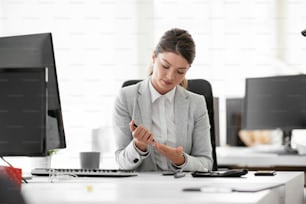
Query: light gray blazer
{"points": [[192, 128]]}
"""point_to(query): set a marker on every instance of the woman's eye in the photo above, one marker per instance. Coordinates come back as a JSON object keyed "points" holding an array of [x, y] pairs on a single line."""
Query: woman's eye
{"points": [[165, 66], [180, 72]]}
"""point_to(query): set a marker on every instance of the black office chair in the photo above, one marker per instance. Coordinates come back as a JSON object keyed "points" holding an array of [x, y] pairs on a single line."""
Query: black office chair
{"points": [[202, 87]]}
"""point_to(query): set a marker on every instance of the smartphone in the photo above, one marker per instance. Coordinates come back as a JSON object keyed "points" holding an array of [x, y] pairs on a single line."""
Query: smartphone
{"points": [[265, 173]]}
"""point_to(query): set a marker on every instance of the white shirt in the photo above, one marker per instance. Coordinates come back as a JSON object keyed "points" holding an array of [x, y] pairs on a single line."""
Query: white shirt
{"points": [[163, 123]]}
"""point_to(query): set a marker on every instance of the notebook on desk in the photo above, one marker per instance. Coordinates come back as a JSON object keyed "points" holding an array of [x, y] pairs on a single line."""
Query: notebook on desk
{"points": [[84, 172]]}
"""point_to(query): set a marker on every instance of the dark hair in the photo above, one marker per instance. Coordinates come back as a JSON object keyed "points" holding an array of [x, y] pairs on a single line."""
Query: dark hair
{"points": [[178, 41]]}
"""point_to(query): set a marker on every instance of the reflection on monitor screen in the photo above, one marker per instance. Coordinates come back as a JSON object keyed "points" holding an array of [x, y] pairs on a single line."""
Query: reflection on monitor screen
{"points": [[23, 94], [36, 50]]}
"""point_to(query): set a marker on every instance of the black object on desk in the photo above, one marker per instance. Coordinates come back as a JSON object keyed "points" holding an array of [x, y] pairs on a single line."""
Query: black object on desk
{"points": [[176, 174], [227, 173], [265, 173]]}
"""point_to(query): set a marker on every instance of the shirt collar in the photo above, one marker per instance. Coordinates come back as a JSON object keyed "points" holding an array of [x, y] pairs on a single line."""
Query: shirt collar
{"points": [[155, 95]]}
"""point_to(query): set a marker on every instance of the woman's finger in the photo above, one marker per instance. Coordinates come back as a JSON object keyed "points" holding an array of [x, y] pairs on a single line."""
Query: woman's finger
{"points": [[132, 126]]}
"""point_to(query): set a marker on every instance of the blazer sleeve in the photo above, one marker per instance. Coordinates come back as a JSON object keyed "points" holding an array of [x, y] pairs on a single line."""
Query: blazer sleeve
{"points": [[127, 156], [200, 156]]}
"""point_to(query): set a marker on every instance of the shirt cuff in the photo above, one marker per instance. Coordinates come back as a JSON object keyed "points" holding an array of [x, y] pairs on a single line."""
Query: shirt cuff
{"points": [[182, 166], [141, 153]]}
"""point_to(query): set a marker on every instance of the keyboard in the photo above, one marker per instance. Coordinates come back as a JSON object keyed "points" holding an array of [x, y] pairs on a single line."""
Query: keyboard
{"points": [[84, 172]]}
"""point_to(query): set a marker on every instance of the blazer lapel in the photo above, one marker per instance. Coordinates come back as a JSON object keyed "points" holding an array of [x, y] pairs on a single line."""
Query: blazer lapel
{"points": [[144, 103], [181, 107]]}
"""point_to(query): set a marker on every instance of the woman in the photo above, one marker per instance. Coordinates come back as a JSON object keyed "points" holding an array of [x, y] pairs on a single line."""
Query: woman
{"points": [[158, 124]]}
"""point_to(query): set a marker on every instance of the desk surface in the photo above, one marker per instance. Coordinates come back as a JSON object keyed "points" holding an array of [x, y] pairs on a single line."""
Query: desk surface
{"points": [[155, 188], [251, 157]]}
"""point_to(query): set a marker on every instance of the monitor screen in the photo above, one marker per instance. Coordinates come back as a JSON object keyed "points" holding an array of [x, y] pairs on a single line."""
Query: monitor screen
{"points": [[36, 50], [275, 102], [234, 115], [23, 110]]}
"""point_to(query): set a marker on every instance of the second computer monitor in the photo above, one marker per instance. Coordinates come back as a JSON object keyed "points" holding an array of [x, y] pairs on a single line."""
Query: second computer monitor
{"points": [[275, 102], [234, 116]]}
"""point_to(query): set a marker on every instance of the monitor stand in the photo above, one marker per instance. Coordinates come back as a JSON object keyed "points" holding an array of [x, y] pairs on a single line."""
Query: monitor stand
{"points": [[287, 143]]}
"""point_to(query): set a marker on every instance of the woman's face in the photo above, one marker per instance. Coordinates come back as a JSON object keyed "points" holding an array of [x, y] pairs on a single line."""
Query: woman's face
{"points": [[169, 69]]}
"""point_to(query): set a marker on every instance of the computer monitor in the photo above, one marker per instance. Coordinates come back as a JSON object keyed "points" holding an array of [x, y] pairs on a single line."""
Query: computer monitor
{"points": [[36, 50], [234, 115], [23, 111], [276, 102]]}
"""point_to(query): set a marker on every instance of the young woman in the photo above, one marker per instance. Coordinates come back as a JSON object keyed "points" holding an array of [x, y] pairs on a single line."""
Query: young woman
{"points": [[158, 124]]}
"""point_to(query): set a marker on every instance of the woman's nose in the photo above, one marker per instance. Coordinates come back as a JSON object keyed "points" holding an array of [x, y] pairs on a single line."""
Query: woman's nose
{"points": [[170, 75]]}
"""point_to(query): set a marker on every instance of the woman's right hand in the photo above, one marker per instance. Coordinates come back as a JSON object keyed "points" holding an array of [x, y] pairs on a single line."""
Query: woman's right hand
{"points": [[142, 136]]}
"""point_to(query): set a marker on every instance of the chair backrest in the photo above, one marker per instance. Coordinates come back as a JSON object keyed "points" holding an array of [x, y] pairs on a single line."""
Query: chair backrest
{"points": [[202, 87]]}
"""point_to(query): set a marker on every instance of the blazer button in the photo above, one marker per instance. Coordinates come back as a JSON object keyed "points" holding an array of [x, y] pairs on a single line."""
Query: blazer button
{"points": [[135, 160]]}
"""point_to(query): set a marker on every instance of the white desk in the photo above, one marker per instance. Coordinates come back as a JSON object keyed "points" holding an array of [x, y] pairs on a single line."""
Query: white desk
{"points": [[155, 188], [249, 157]]}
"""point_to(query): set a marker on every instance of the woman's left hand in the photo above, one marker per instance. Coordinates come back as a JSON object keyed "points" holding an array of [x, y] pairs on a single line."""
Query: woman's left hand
{"points": [[175, 155]]}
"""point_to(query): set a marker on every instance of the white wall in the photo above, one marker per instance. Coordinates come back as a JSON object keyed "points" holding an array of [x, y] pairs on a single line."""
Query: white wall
{"points": [[2, 15], [100, 43], [295, 20], [237, 39]]}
